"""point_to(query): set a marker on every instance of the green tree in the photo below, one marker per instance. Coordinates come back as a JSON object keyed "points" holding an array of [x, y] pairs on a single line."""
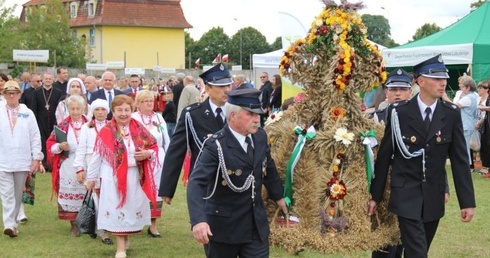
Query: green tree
{"points": [[190, 51], [277, 44], [250, 41], [212, 43], [477, 4], [378, 28], [426, 30], [47, 27], [9, 33]]}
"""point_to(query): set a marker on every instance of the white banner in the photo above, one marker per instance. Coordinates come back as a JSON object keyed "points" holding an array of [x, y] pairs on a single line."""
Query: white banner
{"points": [[40, 56], [451, 54], [93, 67], [236, 67], [129, 71], [167, 70], [115, 65]]}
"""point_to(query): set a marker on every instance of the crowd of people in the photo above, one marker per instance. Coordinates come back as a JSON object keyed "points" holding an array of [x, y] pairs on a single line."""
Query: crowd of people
{"points": [[121, 138], [127, 141]]}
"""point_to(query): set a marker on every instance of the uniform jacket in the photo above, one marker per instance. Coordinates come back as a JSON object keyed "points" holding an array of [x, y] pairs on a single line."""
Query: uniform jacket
{"points": [[230, 215], [204, 123], [411, 197]]}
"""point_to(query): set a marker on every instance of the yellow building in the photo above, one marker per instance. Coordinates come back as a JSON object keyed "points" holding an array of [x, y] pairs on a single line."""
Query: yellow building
{"points": [[142, 33]]}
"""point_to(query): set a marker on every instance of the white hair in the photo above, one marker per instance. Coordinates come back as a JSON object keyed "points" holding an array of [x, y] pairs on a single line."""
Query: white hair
{"points": [[76, 98], [231, 108]]}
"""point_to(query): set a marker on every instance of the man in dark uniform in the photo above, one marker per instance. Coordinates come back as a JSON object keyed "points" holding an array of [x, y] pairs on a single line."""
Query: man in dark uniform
{"points": [[397, 88], [196, 122], [420, 134], [224, 193]]}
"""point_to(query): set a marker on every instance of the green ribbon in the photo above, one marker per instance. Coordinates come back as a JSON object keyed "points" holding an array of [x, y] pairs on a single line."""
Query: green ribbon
{"points": [[369, 142], [303, 135]]}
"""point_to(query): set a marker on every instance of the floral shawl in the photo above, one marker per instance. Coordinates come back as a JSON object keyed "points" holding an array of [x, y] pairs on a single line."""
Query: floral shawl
{"points": [[56, 159], [110, 146]]}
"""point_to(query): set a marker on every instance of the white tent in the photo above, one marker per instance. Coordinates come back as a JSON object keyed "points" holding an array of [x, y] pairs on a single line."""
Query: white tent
{"points": [[267, 62]]}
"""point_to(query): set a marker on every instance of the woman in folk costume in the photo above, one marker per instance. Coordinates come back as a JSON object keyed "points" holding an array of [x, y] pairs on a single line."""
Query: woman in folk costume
{"points": [[155, 124], [125, 155], [20, 146], [88, 134], [75, 86], [61, 156]]}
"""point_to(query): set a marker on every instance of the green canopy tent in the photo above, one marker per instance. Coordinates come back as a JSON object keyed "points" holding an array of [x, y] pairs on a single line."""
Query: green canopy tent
{"points": [[464, 43]]}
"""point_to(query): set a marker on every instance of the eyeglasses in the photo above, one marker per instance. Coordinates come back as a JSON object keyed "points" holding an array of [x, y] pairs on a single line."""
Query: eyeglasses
{"points": [[12, 93], [398, 89]]}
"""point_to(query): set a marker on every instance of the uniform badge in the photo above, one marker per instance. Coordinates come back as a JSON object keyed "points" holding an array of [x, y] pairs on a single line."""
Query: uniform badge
{"points": [[222, 67], [187, 108], [453, 106], [395, 104], [223, 182], [238, 172], [399, 72], [413, 139], [439, 59], [229, 172], [206, 112], [438, 139]]}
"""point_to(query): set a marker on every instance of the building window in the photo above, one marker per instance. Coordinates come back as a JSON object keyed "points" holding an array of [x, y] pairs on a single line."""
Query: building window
{"points": [[91, 9], [92, 37], [73, 9]]}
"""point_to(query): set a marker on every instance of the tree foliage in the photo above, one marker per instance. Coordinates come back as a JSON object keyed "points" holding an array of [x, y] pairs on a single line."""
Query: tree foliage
{"points": [[190, 51], [277, 44], [477, 4], [48, 27], [251, 41], [426, 30], [212, 43], [8, 32], [378, 29]]}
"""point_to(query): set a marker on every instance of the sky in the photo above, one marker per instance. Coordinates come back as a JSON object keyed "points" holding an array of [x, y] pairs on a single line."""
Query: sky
{"points": [[404, 16]]}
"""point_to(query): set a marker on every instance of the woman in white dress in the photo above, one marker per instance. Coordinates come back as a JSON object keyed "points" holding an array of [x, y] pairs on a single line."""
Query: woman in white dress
{"points": [[100, 109], [20, 148], [125, 155], [75, 86], [61, 155], [155, 124]]}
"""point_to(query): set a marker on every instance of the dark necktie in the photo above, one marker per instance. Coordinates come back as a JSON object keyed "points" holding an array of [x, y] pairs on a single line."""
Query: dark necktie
{"points": [[427, 118], [110, 97], [250, 149], [219, 119]]}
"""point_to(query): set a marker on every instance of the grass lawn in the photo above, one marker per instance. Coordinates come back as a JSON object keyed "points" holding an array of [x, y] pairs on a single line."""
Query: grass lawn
{"points": [[46, 236]]}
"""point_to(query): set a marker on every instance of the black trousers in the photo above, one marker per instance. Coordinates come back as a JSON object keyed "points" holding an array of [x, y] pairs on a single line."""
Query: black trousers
{"points": [[255, 249], [417, 236], [392, 251]]}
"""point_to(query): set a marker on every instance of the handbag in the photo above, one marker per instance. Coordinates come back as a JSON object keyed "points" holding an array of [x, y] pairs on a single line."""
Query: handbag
{"points": [[85, 220], [475, 142]]}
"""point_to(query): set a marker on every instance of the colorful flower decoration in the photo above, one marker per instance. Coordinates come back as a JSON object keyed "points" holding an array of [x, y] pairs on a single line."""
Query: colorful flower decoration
{"points": [[276, 116], [299, 97], [336, 189], [337, 113], [340, 31], [342, 135]]}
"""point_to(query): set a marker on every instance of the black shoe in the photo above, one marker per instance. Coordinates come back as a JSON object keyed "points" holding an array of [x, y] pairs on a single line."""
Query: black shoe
{"points": [[107, 241], [93, 236], [154, 235]]}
